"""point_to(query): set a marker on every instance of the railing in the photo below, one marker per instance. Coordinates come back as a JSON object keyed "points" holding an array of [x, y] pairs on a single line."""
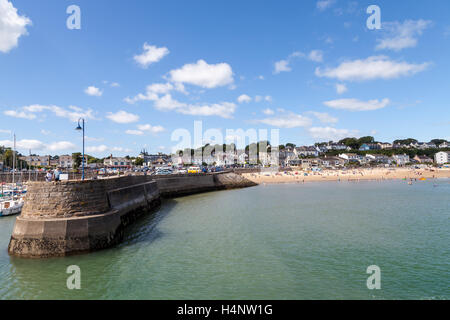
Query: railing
{"points": [[24, 176]]}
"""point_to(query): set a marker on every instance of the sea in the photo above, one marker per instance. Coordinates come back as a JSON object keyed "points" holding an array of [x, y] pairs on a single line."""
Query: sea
{"points": [[318, 240]]}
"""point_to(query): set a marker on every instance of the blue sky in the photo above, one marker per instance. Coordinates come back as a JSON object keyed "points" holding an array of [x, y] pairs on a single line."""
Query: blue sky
{"points": [[138, 70]]}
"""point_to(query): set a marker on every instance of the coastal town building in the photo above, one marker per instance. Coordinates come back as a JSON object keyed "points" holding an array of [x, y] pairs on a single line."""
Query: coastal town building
{"points": [[385, 145], [351, 157], [444, 145], [65, 161], [116, 162], [152, 160], [369, 146], [37, 161], [442, 157], [332, 162], [422, 159], [378, 158], [306, 152], [401, 159]]}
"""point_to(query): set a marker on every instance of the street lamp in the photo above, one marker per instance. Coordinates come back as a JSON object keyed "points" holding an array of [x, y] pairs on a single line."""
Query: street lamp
{"points": [[79, 128]]}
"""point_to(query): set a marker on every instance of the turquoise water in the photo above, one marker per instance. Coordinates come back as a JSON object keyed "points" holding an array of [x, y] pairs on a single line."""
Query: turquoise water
{"points": [[298, 241]]}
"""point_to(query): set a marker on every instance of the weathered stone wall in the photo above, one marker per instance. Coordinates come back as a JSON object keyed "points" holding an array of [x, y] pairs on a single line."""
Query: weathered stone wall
{"points": [[67, 199], [62, 218]]}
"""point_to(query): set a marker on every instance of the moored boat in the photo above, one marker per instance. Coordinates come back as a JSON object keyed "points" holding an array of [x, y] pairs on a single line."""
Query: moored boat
{"points": [[11, 206]]}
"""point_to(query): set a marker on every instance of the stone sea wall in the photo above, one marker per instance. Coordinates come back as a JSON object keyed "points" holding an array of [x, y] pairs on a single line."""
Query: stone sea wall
{"points": [[69, 217]]}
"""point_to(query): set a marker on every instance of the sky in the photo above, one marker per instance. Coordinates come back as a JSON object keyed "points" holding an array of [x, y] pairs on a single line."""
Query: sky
{"points": [[143, 73]]}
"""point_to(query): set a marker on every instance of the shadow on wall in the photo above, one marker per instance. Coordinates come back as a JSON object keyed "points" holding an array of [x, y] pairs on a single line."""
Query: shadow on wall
{"points": [[145, 229]]}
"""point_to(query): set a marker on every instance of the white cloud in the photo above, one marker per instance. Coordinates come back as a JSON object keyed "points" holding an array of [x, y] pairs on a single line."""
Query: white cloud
{"points": [[150, 128], [268, 112], [73, 113], [153, 90], [162, 98], [375, 67], [61, 145], [45, 132], [12, 26], [357, 105], [223, 109], [97, 149], [290, 120], [316, 56], [135, 132], [324, 117], [103, 148], [402, 35], [5, 131], [203, 74], [115, 85], [20, 114], [32, 144], [331, 134], [150, 55], [341, 88], [244, 98], [324, 4], [282, 66], [123, 117], [93, 91], [24, 144]]}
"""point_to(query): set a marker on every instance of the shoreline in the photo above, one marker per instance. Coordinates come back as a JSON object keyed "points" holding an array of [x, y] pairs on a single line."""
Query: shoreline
{"points": [[347, 176]]}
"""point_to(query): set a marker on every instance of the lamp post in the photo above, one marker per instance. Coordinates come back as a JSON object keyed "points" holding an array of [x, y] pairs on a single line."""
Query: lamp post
{"points": [[81, 128]]}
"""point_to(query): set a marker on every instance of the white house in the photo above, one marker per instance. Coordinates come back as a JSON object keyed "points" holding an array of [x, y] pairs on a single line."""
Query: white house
{"points": [[306, 152], [116, 162], [379, 158], [351, 157], [442, 157], [401, 159], [444, 145]]}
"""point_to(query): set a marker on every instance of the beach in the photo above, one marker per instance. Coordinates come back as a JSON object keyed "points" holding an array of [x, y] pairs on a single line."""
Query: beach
{"points": [[376, 174]]}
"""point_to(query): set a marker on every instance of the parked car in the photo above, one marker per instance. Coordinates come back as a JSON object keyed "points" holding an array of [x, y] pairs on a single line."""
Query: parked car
{"points": [[164, 171], [194, 170]]}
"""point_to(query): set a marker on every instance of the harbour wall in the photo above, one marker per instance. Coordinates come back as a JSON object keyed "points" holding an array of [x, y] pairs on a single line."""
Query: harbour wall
{"points": [[69, 217]]}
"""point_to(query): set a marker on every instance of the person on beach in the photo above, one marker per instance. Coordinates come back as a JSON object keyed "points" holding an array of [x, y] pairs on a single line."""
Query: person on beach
{"points": [[48, 176], [56, 174]]}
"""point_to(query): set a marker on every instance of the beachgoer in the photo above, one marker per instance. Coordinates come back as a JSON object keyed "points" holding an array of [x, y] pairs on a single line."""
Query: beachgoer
{"points": [[56, 174], [48, 176]]}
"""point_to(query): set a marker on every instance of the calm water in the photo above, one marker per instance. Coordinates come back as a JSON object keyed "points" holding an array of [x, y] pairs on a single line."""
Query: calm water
{"points": [[311, 241]]}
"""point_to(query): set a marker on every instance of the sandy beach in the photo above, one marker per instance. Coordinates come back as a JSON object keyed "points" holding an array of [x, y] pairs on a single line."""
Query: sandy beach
{"points": [[377, 174]]}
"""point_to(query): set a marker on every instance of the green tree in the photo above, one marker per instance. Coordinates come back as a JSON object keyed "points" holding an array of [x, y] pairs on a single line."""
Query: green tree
{"points": [[351, 142], [437, 142], [139, 161], [76, 159], [367, 139], [405, 141]]}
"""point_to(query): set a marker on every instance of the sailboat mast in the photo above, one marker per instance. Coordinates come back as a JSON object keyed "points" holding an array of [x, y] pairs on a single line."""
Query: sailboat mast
{"points": [[14, 159]]}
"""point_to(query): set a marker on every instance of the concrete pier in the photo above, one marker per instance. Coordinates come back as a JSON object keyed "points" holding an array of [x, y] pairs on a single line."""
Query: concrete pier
{"points": [[70, 217]]}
